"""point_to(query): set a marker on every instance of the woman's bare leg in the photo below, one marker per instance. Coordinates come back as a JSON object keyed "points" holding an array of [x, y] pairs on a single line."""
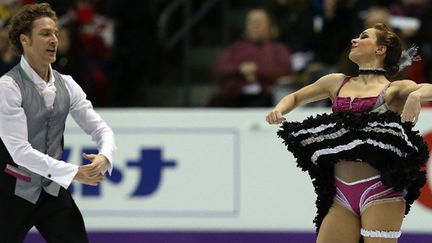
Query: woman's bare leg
{"points": [[383, 216], [339, 225]]}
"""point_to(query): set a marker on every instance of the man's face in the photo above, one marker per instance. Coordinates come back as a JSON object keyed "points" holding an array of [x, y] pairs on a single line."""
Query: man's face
{"points": [[258, 26], [40, 47]]}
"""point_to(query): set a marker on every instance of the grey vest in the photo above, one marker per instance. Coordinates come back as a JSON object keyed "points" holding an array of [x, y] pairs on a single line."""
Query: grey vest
{"points": [[45, 131]]}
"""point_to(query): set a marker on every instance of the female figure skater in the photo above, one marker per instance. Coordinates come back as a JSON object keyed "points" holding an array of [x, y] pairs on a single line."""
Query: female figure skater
{"points": [[364, 159]]}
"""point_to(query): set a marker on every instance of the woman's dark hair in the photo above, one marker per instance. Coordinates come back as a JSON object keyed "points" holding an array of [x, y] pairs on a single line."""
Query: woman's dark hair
{"points": [[22, 22], [386, 37]]}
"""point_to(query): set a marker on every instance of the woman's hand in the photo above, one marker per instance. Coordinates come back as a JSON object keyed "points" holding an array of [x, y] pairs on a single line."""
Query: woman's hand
{"points": [[275, 117], [411, 108]]}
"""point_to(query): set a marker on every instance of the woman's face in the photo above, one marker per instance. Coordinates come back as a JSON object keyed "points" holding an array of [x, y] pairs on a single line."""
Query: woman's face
{"points": [[364, 48]]}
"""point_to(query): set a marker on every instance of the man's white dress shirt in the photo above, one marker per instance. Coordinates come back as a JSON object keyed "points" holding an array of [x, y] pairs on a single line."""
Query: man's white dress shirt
{"points": [[13, 126]]}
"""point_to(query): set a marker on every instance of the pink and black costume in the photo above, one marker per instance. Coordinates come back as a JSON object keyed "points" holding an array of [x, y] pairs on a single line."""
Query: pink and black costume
{"points": [[361, 130]]}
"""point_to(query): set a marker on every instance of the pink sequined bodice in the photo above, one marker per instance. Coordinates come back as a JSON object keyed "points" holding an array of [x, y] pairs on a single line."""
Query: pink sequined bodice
{"points": [[345, 104]]}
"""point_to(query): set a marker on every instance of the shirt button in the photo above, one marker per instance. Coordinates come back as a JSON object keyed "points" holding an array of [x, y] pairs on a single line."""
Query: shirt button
{"points": [[49, 175]]}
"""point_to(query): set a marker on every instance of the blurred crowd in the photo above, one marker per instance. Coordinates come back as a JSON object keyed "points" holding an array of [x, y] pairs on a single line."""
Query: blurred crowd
{"points": [[111, 47], [316, 37]]}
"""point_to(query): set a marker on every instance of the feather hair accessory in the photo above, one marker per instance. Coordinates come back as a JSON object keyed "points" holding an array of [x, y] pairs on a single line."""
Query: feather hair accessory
{"points": [[408, 56]]}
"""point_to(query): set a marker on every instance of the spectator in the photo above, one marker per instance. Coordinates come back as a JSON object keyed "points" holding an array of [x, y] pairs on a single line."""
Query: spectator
{"points": [[9, 8], [7, 57], [70, 60], [248, 69], [425, 34], [340, 22], [96, 34], [377, 15], [295, 20], [413, 19], [136, 51]]}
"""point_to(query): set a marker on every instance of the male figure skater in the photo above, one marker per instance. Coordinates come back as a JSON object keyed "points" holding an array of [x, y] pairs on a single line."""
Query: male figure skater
{"points": [[34, 103]]}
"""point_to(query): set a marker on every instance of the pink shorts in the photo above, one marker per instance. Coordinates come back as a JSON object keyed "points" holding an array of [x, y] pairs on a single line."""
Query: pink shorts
{"points": [[358, 195]]}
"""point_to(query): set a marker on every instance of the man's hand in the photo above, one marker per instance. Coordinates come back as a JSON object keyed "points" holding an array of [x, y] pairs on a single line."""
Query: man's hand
{"points": [[82, 176], [98, 164], [92, 173]]}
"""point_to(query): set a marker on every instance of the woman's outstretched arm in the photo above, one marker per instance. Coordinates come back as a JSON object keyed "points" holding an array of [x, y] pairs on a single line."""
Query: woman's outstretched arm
{"points": [[321, 89], [414, 94]]}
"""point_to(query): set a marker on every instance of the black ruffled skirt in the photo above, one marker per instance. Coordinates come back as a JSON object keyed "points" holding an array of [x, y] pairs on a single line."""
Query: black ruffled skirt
{"points": [[380, 139]]}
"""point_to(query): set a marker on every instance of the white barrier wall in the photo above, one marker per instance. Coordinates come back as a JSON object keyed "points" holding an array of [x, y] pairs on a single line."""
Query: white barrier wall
{"points": [[209, 170]]}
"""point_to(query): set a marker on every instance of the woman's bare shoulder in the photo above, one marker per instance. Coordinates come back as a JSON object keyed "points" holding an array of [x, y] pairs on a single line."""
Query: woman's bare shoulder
{"points": [[397, 93], [334, 76], [331, 82], [332, 79], [403, 83], [400, 87]]}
